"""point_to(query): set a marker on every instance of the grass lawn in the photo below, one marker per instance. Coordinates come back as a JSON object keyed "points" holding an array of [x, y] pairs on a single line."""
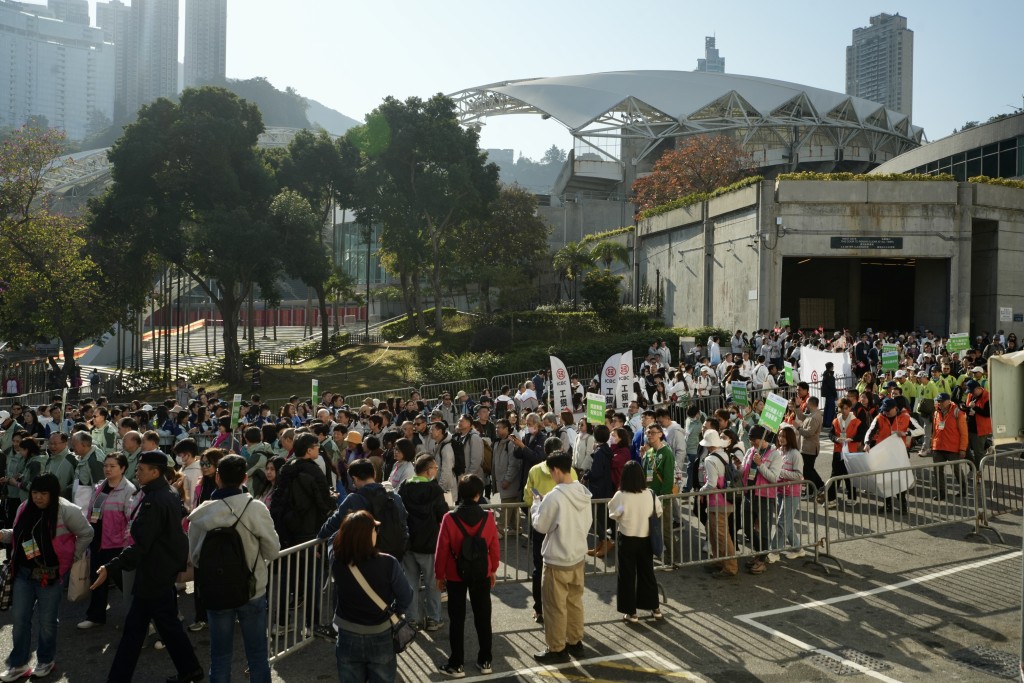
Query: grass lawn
{"points": [[352, 370]]}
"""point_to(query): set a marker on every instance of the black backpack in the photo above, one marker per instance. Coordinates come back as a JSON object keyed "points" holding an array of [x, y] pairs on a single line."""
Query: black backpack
{"points": [[391, 534], [471, 562], [459, 449], [225, 579]]}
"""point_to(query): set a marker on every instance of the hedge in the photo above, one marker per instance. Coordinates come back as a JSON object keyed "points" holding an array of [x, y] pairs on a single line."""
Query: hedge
{"points": [[697, 197], [599, 236], [1005, 182], [403, 327], [811, 175]]}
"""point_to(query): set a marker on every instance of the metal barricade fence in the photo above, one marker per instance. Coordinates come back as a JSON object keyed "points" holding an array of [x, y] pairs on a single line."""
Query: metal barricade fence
{"points": [[759, 520], [404, 393], [473, 387], [299, 595], [1001, 478], [513, 521], [897, 500]]}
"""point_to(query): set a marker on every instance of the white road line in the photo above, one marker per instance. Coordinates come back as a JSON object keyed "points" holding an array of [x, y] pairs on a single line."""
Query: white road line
{"points": [[555, 667], [883, 589], [750, 619]]}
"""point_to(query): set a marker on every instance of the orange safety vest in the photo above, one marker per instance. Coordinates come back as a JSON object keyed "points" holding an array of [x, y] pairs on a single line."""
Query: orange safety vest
{"points": [[949, 431], [851, 431], [900, 423], [984, 424]]}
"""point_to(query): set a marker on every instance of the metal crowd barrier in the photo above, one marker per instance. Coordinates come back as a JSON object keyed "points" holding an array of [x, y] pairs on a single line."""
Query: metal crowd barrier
{"points": [[404, 393], [1001, 479], [897, 500], [300, 596], [473, 387]]}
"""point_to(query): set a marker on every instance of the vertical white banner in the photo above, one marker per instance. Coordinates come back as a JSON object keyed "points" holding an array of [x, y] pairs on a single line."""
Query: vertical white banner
{"points": [[561, 392], [625, 381], [610, 379]]}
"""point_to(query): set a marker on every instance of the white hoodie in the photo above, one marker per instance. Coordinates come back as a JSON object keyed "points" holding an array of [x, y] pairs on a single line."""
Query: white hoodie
{"points": [[564, 516], [255, 528]]}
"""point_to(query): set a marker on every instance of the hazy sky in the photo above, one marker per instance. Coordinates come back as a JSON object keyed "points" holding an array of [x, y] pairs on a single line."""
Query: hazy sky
{"points": [[349, 55]]}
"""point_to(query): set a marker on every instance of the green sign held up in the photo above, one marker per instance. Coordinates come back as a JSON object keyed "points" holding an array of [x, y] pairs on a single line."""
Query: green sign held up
{"points": [[774, 410], [958, 342], [789, 373], [739, 393], [890, 361], [236, 411], [316, 391], [783, 322], [595, 409]]}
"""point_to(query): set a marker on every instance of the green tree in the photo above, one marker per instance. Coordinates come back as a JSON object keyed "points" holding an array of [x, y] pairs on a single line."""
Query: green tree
{"points": [[554, 155], [190, 189], [51, 285], [424, 175], [322, 172], [601, 291], [607, 252], [506, 248], [571, 261]]}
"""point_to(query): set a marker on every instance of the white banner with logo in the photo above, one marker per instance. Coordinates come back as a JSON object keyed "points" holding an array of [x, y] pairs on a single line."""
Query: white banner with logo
{"points": [[561, 392], [812, 367], [625, 382], [610, 379]]}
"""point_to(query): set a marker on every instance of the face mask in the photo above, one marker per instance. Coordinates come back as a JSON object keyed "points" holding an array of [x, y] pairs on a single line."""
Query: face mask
{"points": [[613, 440], [177, 459]]}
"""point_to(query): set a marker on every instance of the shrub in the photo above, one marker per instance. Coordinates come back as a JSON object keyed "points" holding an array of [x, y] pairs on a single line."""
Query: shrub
{"points": [[697, 197], [601, 291], [599, 236], [311, 349], [451, 368], [1005, 182], [812, 175], [490, 338]]}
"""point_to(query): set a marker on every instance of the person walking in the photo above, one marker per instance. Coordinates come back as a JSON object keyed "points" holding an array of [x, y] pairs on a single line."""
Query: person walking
{"points": [[719, 508], [230, 507], [367, 578], [949, 443], [159, 553], [808, 425], [108, 513], [632, 507], [49, 534], [467, 561], [563, 515]]}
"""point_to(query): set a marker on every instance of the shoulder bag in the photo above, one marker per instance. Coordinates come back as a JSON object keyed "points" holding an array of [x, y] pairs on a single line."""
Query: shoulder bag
{"points": [[402, 632]]}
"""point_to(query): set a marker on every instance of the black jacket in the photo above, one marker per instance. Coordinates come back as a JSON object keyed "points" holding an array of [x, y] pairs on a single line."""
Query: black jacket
{"points": [[160, 550], [301, 502], [531, 453], [599, 480], [828, 385], [424, 501]]}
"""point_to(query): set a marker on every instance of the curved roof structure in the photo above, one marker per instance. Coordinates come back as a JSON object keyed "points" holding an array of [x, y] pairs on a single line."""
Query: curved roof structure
{"points": [[654, 105]]}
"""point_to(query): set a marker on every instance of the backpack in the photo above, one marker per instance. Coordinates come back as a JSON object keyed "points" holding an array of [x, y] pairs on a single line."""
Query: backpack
{"points": [[391, 534], [733, 478], [225, 579], [459, 464], [561, 433], [471, 562]]}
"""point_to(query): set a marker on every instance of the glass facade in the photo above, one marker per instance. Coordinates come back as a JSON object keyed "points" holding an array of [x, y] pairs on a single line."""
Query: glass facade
{"points": [[1004, 159], [350, 253]]}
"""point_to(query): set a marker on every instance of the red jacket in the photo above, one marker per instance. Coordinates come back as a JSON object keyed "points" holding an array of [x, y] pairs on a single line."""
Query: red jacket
{"points": [[620, 456], [449, 543]]}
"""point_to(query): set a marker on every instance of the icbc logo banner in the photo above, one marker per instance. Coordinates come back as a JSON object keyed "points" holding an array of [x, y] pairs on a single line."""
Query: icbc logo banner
{"points": [[560, 374]]}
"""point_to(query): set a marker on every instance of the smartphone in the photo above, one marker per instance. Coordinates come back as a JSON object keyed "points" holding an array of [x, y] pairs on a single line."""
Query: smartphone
{"points": [[536, 493]]}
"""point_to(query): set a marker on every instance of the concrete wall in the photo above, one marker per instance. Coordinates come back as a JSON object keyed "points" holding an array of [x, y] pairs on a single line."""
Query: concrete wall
{"points": [[967, 239], [571, 221]]}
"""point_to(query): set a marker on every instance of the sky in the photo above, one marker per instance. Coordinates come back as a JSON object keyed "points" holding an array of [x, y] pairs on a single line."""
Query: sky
{"points": [[350, 55]]}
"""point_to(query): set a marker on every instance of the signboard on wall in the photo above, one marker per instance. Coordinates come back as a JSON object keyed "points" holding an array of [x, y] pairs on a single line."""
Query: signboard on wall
{"points": [[867, 242], [1005, 314]]}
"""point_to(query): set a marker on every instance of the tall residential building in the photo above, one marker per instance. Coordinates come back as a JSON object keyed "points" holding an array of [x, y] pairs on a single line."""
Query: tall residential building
{"points": [[711, 63], [115, 19], [57, 69], [156, 52], [206, 30], [73, 11], [880, 63]]}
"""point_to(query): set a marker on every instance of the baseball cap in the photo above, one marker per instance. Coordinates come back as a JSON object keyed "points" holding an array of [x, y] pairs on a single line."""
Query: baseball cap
{"points": [[887, 405], [4, 415], [972, 385], [943, 397], [901, 373], [922, 373], [891, 385], [977, 369]]}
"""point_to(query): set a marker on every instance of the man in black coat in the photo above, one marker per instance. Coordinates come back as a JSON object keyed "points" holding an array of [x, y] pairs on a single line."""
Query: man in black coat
{"points": [[424, 501], [159, 553]]}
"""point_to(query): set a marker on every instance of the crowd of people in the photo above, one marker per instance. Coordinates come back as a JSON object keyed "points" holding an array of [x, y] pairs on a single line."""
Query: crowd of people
{"points": [[188, 492]]}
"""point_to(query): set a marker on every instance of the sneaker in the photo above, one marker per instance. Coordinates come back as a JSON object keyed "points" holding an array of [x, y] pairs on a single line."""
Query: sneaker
{"points": [[575, 649], [197, 626], [325, 631], [656, 614], [549, 657], [485, 667], [758, 568], [432, 625], [14, 673], [452, 671], [444, 596], [43, 670], [796, 554], [87, 624], [773, 558]]}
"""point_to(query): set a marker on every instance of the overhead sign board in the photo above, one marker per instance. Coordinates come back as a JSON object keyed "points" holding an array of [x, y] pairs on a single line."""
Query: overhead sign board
{"points": [[867, 242]]}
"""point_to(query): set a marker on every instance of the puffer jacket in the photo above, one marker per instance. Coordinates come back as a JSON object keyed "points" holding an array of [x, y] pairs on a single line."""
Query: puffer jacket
{"points": [[425, 503], [116, 508], [71, 539]]}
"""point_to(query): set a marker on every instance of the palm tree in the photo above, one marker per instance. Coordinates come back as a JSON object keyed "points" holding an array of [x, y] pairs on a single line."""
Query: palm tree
{"points": [[608, 252], [573, 259]]}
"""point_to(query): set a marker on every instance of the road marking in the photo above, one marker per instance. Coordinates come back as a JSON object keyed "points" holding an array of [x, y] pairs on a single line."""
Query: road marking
{"points": [[750, 619], [554, 670], [664, 673]]}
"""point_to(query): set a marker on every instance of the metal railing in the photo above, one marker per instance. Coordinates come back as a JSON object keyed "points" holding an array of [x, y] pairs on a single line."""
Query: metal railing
{"points": [[300, 597], [404, 393], [1001, 479], [473, 387]]}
